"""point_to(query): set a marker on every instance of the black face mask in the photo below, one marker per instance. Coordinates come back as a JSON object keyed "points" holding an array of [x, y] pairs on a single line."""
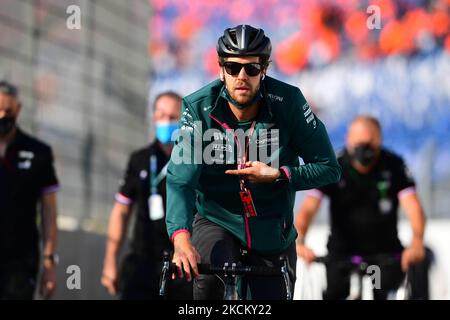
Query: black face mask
{"points": [[364, 154], [6, 125]]}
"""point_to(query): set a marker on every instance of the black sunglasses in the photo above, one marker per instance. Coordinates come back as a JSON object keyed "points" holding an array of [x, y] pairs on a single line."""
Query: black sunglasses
{"points": [[251, 69]]}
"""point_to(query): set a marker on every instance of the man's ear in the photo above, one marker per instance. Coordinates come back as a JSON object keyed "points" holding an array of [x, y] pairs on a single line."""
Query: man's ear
{"points": [[19, 108], [222, 76], [263, 72]]}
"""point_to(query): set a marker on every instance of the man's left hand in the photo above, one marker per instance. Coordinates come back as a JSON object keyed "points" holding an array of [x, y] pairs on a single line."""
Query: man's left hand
{"points": [[412, 255], [47, 284], [256, 172]]}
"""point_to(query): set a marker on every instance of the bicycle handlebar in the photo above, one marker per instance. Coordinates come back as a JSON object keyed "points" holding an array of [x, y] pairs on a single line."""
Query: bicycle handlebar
{"points": [[360, 264], [228, 270], [233, 270], [357, 260]]}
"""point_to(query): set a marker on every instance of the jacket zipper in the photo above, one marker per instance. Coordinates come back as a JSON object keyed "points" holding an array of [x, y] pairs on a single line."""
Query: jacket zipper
{"points": [[247, 227]]}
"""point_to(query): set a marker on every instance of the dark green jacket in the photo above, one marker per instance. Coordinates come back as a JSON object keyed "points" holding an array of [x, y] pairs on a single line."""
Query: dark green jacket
{"points": [[205, 188]]}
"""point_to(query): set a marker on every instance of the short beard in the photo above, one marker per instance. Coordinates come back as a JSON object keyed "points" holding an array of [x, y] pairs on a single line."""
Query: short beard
{"points": [[247, 98]]}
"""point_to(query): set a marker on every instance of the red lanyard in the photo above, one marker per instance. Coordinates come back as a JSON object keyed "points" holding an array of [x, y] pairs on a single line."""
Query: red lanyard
{"points": [[243, 160], [245, 195]]}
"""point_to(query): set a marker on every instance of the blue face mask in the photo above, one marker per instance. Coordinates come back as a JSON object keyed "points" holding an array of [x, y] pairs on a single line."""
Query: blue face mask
{"points": [[164, 131]]}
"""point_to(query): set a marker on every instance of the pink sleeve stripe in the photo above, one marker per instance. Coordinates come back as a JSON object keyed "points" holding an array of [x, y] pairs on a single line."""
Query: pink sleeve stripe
{"points": [[177, 232], [315, 193], [286, 172], [406, 192], [51, 189], [120, 198]]}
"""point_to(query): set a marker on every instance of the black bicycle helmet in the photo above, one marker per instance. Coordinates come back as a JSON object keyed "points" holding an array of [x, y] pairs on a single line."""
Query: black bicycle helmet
{"points": [[244, 40]]}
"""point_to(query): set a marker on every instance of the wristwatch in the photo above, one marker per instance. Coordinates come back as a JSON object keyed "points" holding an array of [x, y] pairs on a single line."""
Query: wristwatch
{"points": [[282, 179], [300, 239], [53, 258]]}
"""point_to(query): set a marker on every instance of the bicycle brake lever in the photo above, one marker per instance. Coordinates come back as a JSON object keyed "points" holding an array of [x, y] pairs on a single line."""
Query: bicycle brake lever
{"points": [[165, 274], [284, 271]]}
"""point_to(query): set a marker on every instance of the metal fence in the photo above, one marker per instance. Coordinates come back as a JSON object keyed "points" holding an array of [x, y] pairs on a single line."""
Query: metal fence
{"points": [[84, 91]]}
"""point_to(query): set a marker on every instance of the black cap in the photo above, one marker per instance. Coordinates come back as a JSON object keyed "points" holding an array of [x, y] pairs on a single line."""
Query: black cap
{"points": [[8, 88]]}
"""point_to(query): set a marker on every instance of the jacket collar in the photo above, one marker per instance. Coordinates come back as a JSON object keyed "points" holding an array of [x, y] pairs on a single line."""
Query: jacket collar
{"points": [[18, 138]]}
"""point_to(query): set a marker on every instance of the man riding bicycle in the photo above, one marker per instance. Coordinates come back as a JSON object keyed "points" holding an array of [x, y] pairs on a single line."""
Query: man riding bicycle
{"points": [[363, 212], [242, 189]]}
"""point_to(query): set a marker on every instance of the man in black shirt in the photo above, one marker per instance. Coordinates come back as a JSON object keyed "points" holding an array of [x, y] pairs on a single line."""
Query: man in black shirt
{"points": [[27, 178], [144, 188], [363, 211]]}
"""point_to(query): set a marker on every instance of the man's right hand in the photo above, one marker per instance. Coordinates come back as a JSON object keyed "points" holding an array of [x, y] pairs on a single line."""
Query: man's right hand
{"points": [[185, 256], [306, 253], [110, 278]]}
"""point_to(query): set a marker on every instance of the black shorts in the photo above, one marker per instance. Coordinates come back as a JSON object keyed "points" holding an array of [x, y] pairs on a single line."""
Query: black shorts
{"points": [[18, 278], [216, 246], [338, 281]]}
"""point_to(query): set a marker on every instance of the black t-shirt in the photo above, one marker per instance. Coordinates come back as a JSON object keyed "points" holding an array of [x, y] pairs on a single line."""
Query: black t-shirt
{"points": [[150, 236], [363, 208], [26, 173]]}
